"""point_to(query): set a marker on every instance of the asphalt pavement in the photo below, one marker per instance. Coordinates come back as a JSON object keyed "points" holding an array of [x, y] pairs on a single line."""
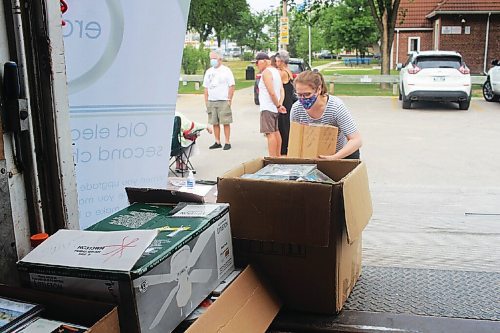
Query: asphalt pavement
{"points": [[434, 176]]}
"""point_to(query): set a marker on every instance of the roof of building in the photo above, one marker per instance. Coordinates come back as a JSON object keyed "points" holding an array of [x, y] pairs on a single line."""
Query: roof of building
{"points": [[417, 13]]}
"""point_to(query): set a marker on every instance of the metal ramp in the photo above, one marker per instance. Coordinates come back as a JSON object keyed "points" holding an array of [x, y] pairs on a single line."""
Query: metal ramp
{"points": [[388, 299]]}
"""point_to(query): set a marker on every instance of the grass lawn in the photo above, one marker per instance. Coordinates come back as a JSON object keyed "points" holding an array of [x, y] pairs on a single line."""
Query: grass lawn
{"points": [[354, 71], [319, 62]]}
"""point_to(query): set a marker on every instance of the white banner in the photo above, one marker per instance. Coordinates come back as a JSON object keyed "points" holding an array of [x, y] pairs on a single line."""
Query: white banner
{"points": [[123, 63]]}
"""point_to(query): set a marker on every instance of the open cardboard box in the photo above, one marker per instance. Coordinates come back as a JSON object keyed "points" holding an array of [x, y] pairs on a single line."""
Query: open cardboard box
{"points": [[304, 237], [99, 317]]}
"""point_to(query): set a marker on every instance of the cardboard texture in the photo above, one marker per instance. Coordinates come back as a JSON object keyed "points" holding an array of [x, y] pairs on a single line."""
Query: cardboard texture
{"points": [[99, 317], [310, 141], [247, 305], [173, 275], [308, 258]]}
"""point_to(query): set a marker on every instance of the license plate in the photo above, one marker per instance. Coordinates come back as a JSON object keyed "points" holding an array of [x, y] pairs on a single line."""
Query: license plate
{"points": [[438, 78]]}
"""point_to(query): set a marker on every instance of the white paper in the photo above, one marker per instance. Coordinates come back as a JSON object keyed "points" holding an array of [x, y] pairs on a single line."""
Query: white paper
{"points": [[103, 250], [200, 190], [196, 211]]}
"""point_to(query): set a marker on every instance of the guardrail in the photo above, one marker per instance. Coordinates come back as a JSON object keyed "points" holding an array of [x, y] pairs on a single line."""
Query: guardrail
{"points": [[392, 79], [475, 79]]}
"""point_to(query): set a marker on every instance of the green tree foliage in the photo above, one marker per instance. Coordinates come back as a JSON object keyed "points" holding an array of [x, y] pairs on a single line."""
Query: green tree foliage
{"points": [[299, 35], [349, 25], [252, 30], [208, 16], [190, 60]]}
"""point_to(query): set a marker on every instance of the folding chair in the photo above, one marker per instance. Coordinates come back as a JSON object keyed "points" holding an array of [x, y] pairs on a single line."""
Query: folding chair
{"points": [[180, 155]]}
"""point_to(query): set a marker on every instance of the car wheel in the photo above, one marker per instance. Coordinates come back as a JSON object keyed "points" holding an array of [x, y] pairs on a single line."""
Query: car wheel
{"points": [[488, 92], [464, 105], [406, 101]]}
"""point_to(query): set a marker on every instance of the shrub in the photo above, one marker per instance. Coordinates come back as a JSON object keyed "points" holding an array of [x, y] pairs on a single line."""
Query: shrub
{"points": [[204, 57], [247, 56], [190, 60]]}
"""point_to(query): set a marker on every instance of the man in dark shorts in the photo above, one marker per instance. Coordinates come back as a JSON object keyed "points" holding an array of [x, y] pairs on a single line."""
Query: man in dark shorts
{"points": [[270, 98]]}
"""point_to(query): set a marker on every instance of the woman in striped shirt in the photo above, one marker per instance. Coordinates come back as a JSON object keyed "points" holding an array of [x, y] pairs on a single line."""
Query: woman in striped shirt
{"points": [[316, 106]]}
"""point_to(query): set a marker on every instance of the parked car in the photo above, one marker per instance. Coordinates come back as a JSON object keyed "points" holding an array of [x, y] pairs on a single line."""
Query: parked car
{"points": [[491, 87], [326, 55], [435, 76], [296, 65]]}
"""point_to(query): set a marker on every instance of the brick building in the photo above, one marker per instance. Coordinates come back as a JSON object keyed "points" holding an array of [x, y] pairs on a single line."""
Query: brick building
{"points": [[470, 27]]}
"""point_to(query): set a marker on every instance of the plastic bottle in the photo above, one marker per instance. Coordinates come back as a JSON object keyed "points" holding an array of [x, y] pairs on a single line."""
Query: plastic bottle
{"points": [[190, 180]]}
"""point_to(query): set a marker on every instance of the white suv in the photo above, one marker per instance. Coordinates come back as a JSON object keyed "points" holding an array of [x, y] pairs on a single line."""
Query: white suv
{"points": [[434, 76], [491, 88]]}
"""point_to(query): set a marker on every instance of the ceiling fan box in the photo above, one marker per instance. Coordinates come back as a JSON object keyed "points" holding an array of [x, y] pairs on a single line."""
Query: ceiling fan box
{"points": [[139, 299]]}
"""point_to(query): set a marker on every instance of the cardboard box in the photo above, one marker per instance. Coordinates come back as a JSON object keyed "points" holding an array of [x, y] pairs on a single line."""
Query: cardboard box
{"points": [[173, 275], [99, 317], [305, 237], [310, 141], [247, 305]]}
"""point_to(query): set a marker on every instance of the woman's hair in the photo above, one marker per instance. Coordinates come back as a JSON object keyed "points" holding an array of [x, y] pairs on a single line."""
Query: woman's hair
{"points": [[283, 56], [313, 79]]}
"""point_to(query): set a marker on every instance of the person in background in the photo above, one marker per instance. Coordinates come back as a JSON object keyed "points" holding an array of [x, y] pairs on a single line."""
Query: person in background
{"points": [[190, 131], [316, 106], [219, 91], [282, 58], [270, 102]]}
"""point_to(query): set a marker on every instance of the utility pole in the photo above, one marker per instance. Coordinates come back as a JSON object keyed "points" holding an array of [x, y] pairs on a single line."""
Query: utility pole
{"points": [[284, 14]]}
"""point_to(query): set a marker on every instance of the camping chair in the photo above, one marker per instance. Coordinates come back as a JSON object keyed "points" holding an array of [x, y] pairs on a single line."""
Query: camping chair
{"points": [[180, 155]]}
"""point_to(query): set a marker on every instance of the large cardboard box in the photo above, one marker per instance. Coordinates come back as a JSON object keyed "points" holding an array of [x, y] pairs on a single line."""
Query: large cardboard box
{"points": [[99, 317], [173, 275], [305, 237], [310, 141]]}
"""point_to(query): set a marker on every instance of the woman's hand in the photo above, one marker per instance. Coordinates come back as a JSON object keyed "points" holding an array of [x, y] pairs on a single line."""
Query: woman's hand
{"points": [[329, 157]]}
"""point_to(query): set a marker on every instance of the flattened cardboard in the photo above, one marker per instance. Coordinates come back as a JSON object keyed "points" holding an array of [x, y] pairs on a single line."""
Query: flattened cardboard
{"points": [[99, 317], [357, 202], [248, 306], [153, 195], [310, 141]]}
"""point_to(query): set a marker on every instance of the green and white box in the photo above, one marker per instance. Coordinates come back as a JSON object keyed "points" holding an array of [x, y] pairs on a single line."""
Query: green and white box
{"points": [[167, 282]]}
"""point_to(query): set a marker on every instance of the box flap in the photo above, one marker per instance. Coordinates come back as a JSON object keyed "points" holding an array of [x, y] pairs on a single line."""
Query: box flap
{"points": [[357, 202], [247, 305], [295, 139], [247, 167], [157, 196], [279, 211]]}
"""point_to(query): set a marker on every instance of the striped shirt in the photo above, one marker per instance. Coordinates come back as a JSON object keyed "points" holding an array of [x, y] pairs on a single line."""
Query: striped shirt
{"points": [[335, 114]]}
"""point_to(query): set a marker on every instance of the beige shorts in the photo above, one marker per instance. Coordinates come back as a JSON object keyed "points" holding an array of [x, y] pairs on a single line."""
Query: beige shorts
{"points": [[219, 112], [268, 122]]}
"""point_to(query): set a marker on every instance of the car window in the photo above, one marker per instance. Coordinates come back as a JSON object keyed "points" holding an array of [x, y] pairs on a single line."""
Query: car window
{"points": [[295, 68], [438, 62]]}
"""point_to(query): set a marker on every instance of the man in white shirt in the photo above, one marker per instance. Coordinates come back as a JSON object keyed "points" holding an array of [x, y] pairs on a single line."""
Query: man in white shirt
{"points": [[219, 91], [271, 96]]}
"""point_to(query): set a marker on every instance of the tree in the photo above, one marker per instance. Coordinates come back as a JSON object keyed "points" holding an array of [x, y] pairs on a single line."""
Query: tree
{"points": [[250, 30], [385, 13], [215, 16], [349, 25], [299, 35]]}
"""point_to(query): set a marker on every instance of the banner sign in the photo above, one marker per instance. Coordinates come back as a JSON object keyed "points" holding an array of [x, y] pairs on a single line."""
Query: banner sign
{"points": [[123, 61]]}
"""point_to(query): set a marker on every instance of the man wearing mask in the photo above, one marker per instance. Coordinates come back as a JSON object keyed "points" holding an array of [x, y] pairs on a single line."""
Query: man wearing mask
{"points": [[219, 90]]}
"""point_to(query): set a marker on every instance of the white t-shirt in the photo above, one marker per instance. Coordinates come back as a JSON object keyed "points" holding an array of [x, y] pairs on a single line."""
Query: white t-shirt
{"points": [[217, 81], [265, 101]]}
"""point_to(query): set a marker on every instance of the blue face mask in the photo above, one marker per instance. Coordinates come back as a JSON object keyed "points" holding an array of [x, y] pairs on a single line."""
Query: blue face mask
{"points": [[214, 62], [307, 103]]}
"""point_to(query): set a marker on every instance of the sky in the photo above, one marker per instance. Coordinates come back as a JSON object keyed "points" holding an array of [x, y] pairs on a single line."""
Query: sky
{"points": [[260, 5]]}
